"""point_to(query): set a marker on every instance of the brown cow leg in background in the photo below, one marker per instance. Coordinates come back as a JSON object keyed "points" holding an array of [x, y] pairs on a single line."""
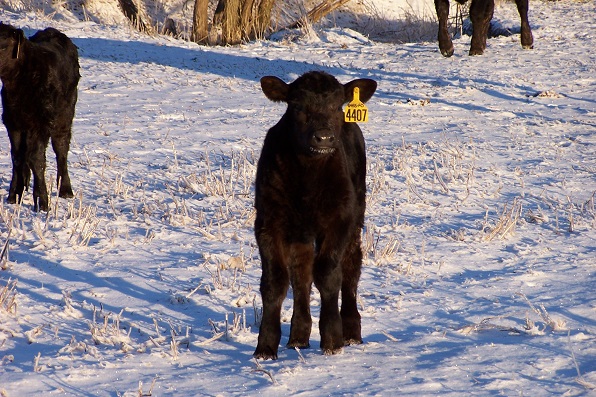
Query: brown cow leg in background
{"points": [[481, 12], [445, 43], [527, 41]]}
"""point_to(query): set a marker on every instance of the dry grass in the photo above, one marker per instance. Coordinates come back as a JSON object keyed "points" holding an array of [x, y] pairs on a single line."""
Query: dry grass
{"points": [[225, 178], [148, 393], [379, 248], [506, 222], [413, 26], [259, 369], [8, 297], [554, 324], [529, 328], [107, 331]]}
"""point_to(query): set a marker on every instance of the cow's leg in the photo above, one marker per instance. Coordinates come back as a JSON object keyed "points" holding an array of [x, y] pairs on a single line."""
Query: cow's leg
{"points": [[301, 279], [36, 160], [21, 173], [445, 43], [527, 41], [481, 12], [275, 281], [61, 144], [328, 278], [351, 268]]}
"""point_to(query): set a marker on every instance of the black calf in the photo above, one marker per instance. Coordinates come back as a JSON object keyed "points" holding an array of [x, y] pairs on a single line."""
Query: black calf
{"points": [[310, 202], [39, 93]]}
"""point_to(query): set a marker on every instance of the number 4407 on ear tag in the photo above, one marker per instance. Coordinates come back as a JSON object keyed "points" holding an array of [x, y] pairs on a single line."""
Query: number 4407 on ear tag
{"points": [[356, 111]]}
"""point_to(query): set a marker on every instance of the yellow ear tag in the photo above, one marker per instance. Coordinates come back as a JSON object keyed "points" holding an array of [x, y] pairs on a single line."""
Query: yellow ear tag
{"points": [[356, 111]]}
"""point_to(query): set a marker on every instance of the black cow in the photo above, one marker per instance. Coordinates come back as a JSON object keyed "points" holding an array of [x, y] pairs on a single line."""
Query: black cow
{"points": [[39, 93], [481, 13], [310, 200]]}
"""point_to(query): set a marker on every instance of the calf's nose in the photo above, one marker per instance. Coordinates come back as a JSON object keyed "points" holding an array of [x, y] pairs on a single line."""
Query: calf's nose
{"points": [[322, 138]]}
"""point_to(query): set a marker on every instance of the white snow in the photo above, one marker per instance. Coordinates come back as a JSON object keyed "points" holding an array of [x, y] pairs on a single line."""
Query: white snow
{"points": [[480, 232]]}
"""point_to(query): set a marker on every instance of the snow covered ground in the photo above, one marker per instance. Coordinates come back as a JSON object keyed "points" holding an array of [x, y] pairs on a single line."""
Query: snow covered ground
{"points": [[480, 230]]}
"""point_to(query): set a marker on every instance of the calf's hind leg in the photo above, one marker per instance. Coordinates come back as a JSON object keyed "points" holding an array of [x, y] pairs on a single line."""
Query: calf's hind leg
{"points": [[21, 174], [61, 145], [36, 160]]}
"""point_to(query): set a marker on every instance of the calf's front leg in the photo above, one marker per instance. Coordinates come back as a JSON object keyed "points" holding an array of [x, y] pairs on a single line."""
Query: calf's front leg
{"points": [[275, 281], [351, 269], [301, 278], [328, 278]]}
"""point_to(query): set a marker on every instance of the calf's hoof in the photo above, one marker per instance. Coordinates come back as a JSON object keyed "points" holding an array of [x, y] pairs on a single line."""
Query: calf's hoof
{"points": [[352, 341], [447, 52], [332, 346], [266, 353], [445, 43], [40, 206], [299, 344], [352, 329], [330, 352], [527, 40], [66, 192]]}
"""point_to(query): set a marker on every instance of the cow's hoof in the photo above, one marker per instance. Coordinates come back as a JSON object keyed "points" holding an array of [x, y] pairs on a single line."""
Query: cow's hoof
{"points": [[352, 341], [66, 193], [330, 352], [447, 52], [41, 207], [265, 354], [298, 344]]}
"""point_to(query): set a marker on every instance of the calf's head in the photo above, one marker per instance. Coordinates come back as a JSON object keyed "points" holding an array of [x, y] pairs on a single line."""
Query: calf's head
{"points": [[314, 111], [11, 40]]}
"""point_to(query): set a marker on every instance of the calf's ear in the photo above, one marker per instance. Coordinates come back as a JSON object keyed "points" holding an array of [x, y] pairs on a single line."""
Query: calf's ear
{"points": [[367, 89], [275, 88]]}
